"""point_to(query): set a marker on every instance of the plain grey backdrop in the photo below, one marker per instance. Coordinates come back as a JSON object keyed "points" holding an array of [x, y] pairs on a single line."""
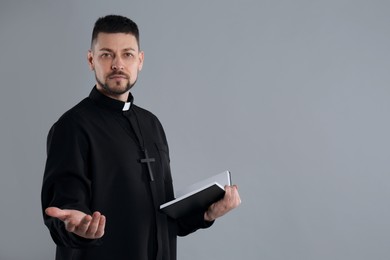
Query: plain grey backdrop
{"points": [[291, 96]]}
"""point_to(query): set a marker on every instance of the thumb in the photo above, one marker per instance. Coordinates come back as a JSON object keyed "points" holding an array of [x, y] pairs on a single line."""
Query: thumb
{"points": [[56, 213]]}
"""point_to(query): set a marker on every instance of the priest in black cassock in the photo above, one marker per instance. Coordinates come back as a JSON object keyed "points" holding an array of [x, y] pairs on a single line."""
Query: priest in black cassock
{"points": [[107, 168]]}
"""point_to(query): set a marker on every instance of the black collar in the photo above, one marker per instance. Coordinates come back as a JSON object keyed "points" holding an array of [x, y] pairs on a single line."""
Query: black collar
{"points": [[110, 103]]}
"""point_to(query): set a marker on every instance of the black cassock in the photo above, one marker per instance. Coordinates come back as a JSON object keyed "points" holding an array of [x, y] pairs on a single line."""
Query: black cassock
{"points": [[96, 161]]}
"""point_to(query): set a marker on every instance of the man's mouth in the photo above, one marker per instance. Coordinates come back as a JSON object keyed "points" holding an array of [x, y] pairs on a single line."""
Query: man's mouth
{"points": [[118, 76]]}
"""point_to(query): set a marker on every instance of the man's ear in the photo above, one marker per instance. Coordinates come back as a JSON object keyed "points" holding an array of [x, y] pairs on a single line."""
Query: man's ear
{"points": [[141, 57], [90, 60]]}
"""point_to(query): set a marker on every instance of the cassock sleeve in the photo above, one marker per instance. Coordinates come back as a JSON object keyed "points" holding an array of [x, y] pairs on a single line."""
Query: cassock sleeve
{"points": [[66, 184], [191, 223]]}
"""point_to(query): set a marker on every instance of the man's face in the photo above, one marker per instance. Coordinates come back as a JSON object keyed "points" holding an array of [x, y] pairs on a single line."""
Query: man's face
{"points": [[116, 60]]}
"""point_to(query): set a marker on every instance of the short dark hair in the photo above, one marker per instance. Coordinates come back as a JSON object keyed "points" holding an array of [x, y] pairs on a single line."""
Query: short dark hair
{"points": [[115, 24]]}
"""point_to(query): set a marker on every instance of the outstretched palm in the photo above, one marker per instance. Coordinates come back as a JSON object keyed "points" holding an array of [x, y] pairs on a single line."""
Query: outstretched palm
{"points": [[80, 223]]}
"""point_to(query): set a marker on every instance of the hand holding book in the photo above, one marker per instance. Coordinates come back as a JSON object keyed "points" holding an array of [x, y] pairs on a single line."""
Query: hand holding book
{"points": [[215, 196], [230, 201]]}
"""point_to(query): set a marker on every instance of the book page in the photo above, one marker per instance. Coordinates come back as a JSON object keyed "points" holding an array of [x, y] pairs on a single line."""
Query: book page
{"points": [[222, 179]]}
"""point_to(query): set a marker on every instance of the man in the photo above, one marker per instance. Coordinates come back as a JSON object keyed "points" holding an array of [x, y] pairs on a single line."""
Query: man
{"points": [[109, 156]]}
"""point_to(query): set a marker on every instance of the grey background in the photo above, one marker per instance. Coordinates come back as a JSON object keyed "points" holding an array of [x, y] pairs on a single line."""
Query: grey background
{"points": [[291, 96]]}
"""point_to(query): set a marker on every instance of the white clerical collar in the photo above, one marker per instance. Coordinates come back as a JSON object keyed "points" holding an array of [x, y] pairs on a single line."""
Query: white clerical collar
{"points": [[126, 107]]}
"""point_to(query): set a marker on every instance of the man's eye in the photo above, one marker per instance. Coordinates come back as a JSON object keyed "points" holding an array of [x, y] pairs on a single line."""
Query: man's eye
{"points": [[128, 54], [106, 55]]}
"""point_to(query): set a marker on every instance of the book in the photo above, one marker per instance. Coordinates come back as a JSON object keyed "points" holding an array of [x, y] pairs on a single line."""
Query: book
{"points": [[198, 196]]}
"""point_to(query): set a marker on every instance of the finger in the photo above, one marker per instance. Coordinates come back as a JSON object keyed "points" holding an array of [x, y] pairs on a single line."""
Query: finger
{"points": [[230, 200], [83, 225], [56, 213], [233, 189], [227, 191], [70, 226], [93, 225], [236, 200], [229, 195], [236, 195], [233, 194], [102, 224]]}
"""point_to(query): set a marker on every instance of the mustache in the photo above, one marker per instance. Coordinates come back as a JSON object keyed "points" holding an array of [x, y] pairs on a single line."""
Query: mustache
{"points": [[118, 73]]}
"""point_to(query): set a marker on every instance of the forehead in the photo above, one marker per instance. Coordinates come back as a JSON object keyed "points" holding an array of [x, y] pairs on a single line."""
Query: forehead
{"points": [[115, 41]]}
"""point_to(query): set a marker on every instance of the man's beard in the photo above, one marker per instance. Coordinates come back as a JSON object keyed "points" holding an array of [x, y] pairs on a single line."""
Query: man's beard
{"points": [[115, 92]]}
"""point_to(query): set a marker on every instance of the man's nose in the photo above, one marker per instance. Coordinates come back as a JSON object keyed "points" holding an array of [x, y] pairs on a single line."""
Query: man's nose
{"points": [[117, 64]]}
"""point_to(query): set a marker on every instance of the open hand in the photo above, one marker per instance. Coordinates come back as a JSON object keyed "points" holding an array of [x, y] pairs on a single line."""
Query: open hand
{"points": [[79, 223], [230, 201]]}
